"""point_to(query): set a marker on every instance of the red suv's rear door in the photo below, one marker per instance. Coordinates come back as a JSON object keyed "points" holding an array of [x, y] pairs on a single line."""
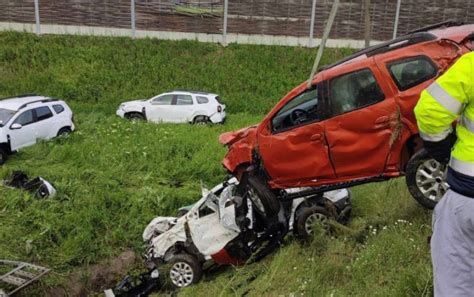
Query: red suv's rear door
{"points": [[362, 119]]}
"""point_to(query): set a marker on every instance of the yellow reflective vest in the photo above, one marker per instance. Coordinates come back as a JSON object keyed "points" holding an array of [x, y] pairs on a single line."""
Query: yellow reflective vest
{"points": [[451, 98]]}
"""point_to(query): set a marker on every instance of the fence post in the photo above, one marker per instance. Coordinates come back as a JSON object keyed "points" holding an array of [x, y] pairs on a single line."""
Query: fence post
{"points": [[311, 29], [132, 13], [37, 18], [397, 16], [224, 29]]}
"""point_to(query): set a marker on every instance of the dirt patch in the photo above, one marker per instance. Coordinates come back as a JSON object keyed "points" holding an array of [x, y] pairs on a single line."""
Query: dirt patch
{"points": [[97, 277]]}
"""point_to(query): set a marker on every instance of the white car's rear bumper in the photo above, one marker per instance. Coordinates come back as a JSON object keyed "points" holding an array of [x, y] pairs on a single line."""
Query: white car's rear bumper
{"points": [[218, 117]]}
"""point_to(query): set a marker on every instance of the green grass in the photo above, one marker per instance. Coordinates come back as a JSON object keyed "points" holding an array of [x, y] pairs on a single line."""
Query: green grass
{"points": [[114, 176], [191, 9]]}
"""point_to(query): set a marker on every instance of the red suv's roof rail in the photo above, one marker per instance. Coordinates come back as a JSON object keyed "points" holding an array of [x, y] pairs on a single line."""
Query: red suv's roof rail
{"points": [[448, 23], [390, 45]]}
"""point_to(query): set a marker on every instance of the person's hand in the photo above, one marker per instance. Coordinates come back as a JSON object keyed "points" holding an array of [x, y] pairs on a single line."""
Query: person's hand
{"points": [[441, 150]]}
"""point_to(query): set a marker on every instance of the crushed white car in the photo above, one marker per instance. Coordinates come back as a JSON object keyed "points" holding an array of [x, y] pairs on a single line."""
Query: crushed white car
{"points": [[177, 106], [26, 119], [227, 229]]}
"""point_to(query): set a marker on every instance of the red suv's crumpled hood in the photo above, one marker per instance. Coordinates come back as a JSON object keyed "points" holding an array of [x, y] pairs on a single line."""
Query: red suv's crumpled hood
{"points": [[228, 138], [241, 144]]}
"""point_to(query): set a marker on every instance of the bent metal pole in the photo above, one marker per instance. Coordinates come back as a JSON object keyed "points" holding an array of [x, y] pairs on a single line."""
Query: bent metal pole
{"points": [[397, 16], [37, 18], [332, 15], [132, 18]]}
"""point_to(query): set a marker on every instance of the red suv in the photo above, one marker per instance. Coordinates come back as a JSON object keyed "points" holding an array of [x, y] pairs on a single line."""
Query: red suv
{"points": [[354, 124]]}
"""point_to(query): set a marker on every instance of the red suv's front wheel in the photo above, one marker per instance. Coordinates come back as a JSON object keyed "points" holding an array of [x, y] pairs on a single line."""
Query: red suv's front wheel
{"points": [[426, 179]]}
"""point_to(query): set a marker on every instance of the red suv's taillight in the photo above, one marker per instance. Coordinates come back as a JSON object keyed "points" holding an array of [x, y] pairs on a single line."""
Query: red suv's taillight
{"points": [[219, 108]]}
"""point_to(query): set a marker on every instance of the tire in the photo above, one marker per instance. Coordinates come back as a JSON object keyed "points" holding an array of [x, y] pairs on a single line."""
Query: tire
{"points": [[306, 219], [201, 120], [426, 179], [135, 116], [265, 201], [184, 270], [3, 156], [64, 131]]}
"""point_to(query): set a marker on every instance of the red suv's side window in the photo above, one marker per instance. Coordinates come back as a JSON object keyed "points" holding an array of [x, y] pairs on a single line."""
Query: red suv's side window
{"points": [[353, 91], [411, 72], [301, 110]]}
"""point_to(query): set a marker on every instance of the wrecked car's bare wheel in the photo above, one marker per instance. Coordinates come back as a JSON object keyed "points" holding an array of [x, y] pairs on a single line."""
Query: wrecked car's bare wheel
{"points": [[426, 179], [185, 270], [308, 219], [265, 201]]}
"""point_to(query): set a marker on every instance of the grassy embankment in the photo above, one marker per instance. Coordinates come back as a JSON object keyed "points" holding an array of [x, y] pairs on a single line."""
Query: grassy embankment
{"points": [[114, 176]]}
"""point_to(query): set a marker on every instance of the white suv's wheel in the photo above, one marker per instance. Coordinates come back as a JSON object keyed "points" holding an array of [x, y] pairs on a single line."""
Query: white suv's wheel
{"points": [[3, 156], [185, 270], [201, 120]]}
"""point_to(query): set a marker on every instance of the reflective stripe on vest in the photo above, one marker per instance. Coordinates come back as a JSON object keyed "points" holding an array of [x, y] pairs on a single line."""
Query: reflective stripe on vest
{"points": [[443, 98], [462, 166], [436, 137], [467, 123]]}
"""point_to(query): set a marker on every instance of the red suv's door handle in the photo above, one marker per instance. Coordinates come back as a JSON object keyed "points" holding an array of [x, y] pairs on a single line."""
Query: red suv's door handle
{"points": [[316, 137], [382, 120]]}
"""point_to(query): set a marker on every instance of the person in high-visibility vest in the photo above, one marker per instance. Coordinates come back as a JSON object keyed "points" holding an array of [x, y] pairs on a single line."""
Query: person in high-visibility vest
{"points": [[451, 98]]}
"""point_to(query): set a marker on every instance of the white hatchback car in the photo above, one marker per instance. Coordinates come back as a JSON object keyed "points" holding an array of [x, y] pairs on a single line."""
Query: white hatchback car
{"points": [[176, 107], [28, 118]]}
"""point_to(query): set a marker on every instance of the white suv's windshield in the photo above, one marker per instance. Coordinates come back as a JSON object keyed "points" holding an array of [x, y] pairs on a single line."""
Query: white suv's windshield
{"points": [[5, 116]]}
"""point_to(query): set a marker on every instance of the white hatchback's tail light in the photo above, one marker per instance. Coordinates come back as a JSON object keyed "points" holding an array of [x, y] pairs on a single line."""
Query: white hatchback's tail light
{"points": [[219, 108]]}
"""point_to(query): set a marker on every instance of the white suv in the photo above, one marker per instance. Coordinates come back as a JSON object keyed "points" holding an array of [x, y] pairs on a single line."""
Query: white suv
{"points": [[176, 107], [28, 118]]}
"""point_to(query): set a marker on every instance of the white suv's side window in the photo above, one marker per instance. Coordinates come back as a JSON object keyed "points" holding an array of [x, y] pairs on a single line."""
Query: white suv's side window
{"points": [[25, 118], [184, 100], [202, 100], [43, 113], [163, 100], [58, 108]]}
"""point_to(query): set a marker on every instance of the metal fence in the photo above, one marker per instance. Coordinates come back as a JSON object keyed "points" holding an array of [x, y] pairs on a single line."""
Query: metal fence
{"points": [[249, 21]]}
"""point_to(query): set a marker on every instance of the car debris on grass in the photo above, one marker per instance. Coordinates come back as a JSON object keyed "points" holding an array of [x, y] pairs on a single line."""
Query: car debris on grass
{"points": [[38, 185], [15, 276]]}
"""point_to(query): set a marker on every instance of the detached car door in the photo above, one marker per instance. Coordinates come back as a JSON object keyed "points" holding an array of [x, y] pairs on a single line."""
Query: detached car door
{"points": [[207, 233], [293, 145], [363, 117]]}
